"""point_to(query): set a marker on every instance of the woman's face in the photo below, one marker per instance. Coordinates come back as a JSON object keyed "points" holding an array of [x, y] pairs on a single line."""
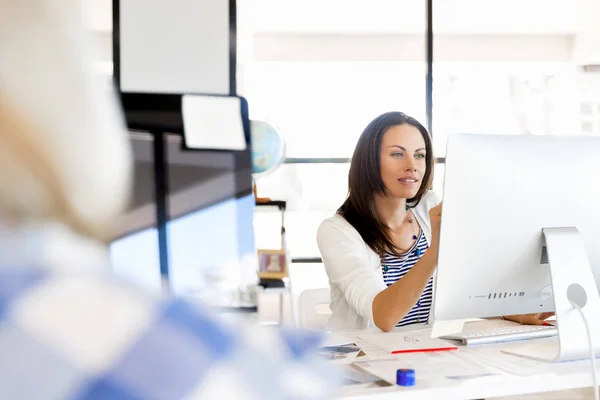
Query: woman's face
{"points": [[402, 161]]}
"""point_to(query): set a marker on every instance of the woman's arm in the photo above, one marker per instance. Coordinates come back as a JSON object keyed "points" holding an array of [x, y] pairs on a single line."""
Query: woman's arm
{"points": [[349, 267], [347, 264], [530, 319], [393, 303]]}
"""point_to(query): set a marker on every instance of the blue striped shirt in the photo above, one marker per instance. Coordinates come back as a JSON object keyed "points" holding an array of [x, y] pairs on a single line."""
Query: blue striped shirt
{"points": [[395, 267]]}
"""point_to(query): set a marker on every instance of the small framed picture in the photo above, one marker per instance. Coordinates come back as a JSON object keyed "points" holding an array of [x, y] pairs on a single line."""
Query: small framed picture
{"points": [[272, 264]]}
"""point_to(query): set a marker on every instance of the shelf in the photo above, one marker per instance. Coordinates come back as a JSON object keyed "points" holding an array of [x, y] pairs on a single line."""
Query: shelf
{"points": [[281, 204]]}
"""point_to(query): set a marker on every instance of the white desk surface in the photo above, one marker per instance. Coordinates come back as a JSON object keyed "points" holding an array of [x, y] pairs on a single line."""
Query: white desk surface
{"points": [[550, 377]]}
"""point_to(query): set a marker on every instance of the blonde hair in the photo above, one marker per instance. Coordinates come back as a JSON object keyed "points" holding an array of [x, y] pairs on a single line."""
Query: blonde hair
{"points": [[64, 152], [31, 187]]}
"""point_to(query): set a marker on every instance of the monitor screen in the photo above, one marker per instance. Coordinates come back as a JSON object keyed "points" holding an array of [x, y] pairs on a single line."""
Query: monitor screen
{"points": [[212, 254]]}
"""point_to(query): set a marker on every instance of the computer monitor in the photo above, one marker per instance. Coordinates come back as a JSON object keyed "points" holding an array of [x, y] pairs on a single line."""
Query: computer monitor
{"points": [[497, 256], [212, 253]]}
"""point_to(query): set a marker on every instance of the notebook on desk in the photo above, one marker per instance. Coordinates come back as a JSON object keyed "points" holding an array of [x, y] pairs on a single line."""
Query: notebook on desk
{"points": [[406, 342]]}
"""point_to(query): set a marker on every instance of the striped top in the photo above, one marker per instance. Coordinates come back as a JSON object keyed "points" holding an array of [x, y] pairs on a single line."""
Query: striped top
{"points": [[395, 267]]}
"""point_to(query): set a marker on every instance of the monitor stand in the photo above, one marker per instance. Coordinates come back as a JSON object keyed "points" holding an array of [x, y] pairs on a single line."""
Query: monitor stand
{"points": [[572, 280]]}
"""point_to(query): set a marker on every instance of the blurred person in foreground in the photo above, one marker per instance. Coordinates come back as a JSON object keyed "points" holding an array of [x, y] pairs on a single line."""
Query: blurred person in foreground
{"points": [[68, 328]]}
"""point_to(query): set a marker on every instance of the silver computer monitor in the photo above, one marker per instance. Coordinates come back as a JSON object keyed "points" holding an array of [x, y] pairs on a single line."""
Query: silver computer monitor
{"points": [[500, 192]]}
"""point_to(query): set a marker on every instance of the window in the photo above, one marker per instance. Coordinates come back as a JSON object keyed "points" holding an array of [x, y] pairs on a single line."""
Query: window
{"points": [[321, 108], [320, 77], [320, 113], [501, 72], [496, 71], [503, 98], [589, 112], [313, 192]]}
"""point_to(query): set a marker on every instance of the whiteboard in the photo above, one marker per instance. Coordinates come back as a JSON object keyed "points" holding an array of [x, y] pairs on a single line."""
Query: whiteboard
{"points": [[213, 122], [174, 46]]}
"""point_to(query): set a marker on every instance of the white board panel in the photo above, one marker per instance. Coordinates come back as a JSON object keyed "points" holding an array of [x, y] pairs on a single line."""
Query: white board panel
{"points": [[174, 46]]}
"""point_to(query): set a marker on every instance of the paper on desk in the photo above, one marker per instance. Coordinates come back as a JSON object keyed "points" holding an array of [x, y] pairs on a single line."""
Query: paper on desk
{"points": [[494, 357], [356, 375], [335, 339], [428, 366], [371, 352], [408, 341]]}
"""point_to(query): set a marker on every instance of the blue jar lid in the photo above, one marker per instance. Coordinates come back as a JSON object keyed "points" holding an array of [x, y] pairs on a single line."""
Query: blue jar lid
{"points": [[405, 377]]}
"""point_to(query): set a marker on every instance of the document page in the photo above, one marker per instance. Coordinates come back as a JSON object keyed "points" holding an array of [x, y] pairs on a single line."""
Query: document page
{"points": [[406, 342], [428, 366], [495, 356]]}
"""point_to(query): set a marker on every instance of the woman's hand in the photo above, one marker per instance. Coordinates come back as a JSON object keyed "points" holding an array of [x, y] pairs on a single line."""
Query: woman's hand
{"points": [[435, 216], [530, 319]]}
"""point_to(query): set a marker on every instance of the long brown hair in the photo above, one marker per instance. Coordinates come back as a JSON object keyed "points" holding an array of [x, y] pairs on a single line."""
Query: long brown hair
{"points": [[364, 180]]}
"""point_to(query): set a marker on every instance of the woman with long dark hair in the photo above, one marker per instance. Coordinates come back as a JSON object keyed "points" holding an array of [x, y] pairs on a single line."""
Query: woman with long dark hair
{"points": [[380, 249]]}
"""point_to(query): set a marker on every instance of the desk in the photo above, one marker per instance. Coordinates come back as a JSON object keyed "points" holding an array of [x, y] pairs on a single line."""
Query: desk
{"points": [[553, 377]]}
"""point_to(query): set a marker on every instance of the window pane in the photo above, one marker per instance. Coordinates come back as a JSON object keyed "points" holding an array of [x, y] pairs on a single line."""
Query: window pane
{"points": [[320, 71], [313, 192], [498, 98], [321, 108], [307, 186], [501, 72], [438, 179]]}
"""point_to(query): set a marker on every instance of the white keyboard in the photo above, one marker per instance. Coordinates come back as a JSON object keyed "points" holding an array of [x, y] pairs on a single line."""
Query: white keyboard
{"points": [[503, 334]]}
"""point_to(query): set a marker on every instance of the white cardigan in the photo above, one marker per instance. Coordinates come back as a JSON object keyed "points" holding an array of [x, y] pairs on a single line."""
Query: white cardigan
{"points": [[354, 269]]}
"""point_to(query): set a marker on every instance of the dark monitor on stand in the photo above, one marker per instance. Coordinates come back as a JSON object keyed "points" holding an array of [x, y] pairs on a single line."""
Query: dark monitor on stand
{"points": [[189, 230], [210, 241]]}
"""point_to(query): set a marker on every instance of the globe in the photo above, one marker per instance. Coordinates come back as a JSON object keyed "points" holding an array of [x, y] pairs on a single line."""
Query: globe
{"points": [[268, 148]]}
